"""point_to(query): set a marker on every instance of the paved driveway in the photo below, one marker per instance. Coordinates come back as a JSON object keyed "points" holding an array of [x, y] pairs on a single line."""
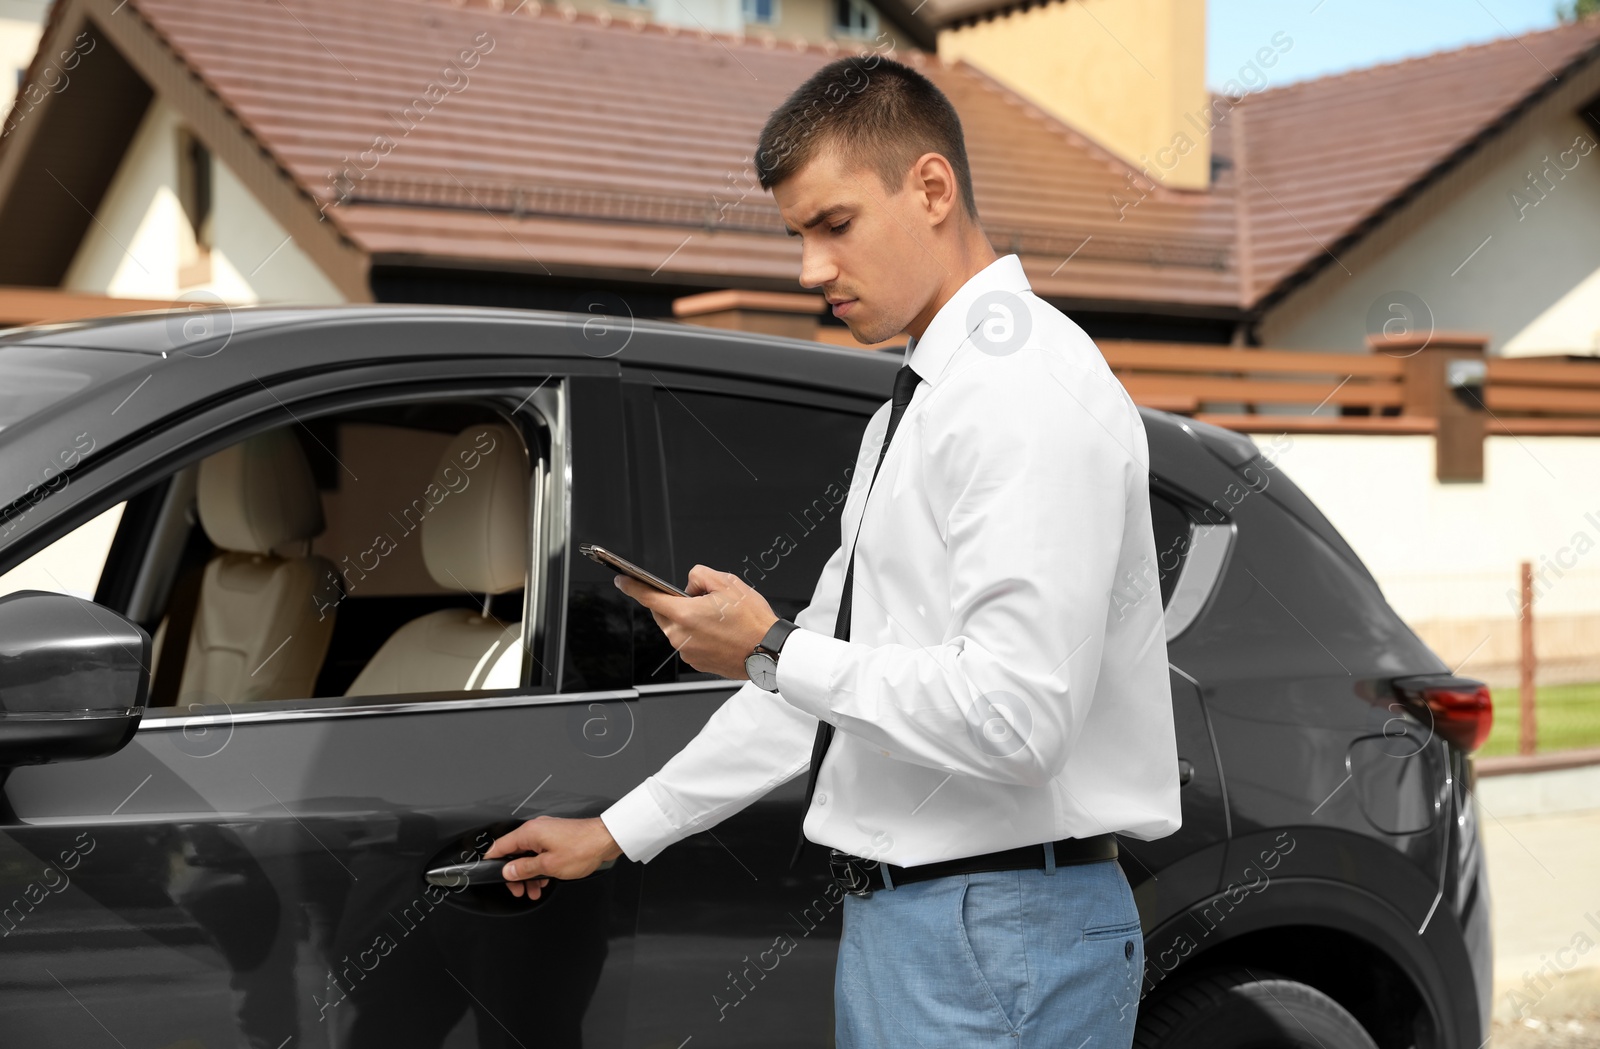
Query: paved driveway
{"points": [[1544, 875]]}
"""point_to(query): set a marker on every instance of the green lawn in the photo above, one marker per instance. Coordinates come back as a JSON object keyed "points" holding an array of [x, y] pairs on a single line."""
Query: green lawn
{"points": [[1568, 716]]}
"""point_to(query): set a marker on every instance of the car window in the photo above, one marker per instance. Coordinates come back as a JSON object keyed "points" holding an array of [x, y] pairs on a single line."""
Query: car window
{"points": [[70, 565], [376, 553], [755, 487]]}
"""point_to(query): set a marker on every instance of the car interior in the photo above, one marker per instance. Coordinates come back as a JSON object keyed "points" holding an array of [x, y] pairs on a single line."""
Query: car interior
{"points": [[374, 552]]}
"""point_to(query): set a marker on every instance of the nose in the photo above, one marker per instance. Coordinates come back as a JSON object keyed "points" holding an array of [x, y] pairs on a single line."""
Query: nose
{"points": [[816, 269]]}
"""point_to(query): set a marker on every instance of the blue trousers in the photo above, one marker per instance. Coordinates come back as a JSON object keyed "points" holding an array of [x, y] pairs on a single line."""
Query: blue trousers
{"points": [[1006, 959]]}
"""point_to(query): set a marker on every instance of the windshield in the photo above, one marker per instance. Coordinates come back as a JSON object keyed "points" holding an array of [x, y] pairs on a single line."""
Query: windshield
{"points": [[35, 378]]}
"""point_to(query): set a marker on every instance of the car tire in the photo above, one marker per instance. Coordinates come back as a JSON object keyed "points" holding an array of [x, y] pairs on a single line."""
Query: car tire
{"points": [[1245, 1009]]}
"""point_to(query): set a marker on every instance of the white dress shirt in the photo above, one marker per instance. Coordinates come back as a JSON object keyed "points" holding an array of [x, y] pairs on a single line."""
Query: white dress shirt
{"points": [[1006, 678]]}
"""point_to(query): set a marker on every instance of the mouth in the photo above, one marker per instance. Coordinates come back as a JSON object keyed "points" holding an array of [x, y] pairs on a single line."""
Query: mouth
{"points": [[843, 306]]}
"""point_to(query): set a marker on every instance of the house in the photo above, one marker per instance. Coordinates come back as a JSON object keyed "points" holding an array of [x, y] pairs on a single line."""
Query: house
{"points": [[244, 151], [1470, 193], [534, 154], [1408, 249]]}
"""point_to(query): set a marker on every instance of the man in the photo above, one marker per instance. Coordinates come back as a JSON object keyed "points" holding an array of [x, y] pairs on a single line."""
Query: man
{"points": [[984, 684]]}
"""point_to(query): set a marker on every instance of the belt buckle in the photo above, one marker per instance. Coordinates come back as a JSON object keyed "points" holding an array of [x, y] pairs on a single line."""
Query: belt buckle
{"points": [[850, 872]]}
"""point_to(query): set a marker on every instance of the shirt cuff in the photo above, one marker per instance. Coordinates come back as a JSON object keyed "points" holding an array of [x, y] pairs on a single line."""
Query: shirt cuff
{"points": [[806, 667], [639, 825]]}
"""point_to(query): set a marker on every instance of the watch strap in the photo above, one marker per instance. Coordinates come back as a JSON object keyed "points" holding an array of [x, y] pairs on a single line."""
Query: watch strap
{"points": [[777, 634]]}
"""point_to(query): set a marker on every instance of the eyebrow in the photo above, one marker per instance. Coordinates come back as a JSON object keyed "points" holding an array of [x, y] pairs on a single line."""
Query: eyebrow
{"points": [[820, 216]]}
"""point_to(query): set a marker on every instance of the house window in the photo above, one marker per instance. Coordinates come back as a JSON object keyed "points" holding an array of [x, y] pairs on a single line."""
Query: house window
{"points": [[855, 18], [765, 11], [194, 194], [194, 185]]}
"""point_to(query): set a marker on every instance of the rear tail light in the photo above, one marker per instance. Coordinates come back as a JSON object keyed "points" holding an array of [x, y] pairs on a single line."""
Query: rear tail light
{"points": [[1459, 708]]}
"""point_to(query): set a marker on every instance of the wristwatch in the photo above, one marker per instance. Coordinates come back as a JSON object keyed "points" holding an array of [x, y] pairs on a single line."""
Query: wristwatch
{"points": [[762, 664]]}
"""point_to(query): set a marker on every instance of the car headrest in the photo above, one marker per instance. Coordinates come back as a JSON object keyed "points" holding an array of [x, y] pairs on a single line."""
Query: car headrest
{"points": [[475, 534], [258, 494]]}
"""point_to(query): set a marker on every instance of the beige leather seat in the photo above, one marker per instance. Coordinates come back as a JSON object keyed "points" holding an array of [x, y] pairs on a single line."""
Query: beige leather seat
{"points": [[474, 540], [256, 632]]}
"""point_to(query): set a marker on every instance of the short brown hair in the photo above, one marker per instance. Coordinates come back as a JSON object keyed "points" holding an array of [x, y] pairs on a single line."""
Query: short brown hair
{"points": [[880, 114]]}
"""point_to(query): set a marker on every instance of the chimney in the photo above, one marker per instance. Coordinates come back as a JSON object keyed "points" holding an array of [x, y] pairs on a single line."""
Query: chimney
{"points": [[1130, 74]]}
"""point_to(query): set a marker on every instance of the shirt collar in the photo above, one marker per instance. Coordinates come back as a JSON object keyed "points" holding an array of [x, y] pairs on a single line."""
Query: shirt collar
{"points": [[928, 355]]}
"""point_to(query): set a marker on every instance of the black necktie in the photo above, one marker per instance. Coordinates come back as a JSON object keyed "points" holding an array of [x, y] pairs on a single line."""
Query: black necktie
{"points": [[905, 383]]}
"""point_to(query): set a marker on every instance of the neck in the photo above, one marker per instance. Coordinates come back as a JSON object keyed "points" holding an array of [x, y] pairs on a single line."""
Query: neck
{"points": [[969, 257]]}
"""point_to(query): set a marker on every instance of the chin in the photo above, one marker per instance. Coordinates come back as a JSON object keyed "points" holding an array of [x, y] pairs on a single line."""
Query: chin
{"points": [[871, 330], [869, 338], [861, 334]]}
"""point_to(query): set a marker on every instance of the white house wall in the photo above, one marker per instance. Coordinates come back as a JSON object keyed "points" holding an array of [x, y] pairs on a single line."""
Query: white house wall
{"points": [[1564, 326], [1447, 556], [1523, 269], [21, 22], [719, 16], [140, 235]]}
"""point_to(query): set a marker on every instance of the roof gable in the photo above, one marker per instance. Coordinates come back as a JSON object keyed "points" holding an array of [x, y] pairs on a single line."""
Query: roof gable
{"points": [[1326, 159], [74, 138]]}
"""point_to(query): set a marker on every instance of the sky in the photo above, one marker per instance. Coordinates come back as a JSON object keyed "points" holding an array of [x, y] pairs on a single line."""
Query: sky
{"points": [[1332, 36]]}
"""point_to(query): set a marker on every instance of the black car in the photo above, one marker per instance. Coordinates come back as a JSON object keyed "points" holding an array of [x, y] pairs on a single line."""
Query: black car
{"points": [[339, 637]]}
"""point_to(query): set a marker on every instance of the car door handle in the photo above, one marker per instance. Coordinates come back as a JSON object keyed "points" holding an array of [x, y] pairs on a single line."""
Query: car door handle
{"points": [[484, 872], [1185, 771]]}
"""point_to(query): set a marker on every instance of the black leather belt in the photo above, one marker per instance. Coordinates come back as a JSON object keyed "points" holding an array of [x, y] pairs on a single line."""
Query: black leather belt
{"points": [[860, 877]]}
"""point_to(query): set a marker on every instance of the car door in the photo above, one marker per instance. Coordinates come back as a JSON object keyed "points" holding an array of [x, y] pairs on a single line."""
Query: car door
{"points": [[734, 947], [253, 873]]}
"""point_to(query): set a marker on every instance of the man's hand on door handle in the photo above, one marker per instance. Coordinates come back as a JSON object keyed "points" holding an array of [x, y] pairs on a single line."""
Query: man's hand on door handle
{"points": [[568, 849]]}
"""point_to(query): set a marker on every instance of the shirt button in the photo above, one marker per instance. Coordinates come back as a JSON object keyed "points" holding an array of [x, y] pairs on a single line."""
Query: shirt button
{"points": [[822, 799]]}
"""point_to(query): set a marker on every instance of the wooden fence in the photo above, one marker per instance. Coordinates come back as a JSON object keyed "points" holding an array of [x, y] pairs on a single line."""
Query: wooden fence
{"points": [[1390, 389]]}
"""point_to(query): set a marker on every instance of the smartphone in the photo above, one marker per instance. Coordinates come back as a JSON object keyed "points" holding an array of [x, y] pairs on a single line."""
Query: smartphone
{"points": [[601, 555]]}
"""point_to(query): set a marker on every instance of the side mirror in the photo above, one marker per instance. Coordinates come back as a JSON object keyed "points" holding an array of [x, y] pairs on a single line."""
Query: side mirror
{"points": [[74, 678]]}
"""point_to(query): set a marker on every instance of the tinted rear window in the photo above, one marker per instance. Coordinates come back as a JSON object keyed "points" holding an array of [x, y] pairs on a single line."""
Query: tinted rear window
{"points": [[1298, 505]]}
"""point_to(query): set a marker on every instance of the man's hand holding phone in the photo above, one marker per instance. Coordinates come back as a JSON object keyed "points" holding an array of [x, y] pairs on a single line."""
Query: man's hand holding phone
{"points": [[716, 626]]}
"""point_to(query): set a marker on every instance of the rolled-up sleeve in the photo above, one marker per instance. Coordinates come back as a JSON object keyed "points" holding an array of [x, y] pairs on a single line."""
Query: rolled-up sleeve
{"points": [[1029, 459]]}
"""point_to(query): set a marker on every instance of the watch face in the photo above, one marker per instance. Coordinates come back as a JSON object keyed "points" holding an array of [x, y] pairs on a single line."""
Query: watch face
{"points": [[763, 670]]}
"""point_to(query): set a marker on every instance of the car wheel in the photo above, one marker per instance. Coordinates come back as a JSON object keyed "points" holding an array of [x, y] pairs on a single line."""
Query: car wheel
{"points": [[1244, 1009]]}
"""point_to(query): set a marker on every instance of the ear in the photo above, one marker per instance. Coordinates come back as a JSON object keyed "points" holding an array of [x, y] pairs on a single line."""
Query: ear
{"points": [[934, 180]]}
